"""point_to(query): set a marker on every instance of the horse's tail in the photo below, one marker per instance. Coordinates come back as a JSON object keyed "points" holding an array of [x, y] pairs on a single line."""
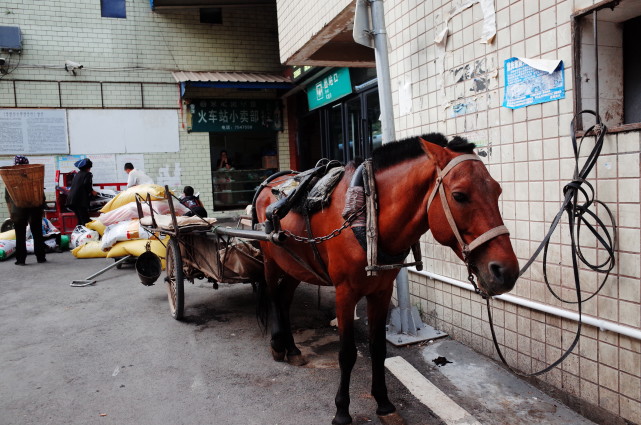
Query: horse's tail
{"points": [[262, 305]]}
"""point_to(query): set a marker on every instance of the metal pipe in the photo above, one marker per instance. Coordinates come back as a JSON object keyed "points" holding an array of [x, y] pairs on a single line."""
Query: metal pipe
{"points": [[595, 30], [276, 237], [603, 325], [382, 70]]}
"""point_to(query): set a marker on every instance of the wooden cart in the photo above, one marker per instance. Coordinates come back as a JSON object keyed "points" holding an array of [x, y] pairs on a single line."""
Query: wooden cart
{"points": [[197, 248]]}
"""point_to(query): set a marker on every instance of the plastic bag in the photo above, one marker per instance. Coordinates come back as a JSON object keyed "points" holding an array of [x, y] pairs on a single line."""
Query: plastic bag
{"points": [[89, 250], [7, 249], [81, 235], [130, 211], [123, 231], [50, 246], [155, 191]]}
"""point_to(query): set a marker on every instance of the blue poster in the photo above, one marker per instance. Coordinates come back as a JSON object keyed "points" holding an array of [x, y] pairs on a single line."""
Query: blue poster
{"points": [[526, 85]]}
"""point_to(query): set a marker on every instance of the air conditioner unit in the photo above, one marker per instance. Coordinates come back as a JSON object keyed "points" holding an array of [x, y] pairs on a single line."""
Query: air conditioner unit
{"points": [[10, 38]]}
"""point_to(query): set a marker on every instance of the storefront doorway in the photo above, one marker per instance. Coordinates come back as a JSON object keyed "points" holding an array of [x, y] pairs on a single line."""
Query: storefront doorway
{"points": [[251, 159], [352, 128]]}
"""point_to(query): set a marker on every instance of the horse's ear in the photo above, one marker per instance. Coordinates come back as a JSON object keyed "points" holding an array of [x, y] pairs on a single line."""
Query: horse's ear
{"points": [[435, 152]]}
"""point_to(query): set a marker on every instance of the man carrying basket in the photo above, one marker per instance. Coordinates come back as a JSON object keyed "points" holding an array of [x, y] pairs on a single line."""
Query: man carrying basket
{"points": [[23, 216]]}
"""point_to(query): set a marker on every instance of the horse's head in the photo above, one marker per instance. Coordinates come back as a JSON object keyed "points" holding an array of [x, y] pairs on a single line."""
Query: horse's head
{"points": [[463, 214]]}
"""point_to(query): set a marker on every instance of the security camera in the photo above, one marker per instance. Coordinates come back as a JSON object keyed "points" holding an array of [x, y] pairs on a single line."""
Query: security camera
{"points": [[71, 66], [3, 61]]}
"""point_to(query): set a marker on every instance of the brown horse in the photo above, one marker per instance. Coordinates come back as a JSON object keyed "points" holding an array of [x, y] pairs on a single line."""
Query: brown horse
{"points": [[408, 174]]}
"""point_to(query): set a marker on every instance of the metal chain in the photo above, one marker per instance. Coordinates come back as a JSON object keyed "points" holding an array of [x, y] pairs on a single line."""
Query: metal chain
{"points": [[329, 236]]}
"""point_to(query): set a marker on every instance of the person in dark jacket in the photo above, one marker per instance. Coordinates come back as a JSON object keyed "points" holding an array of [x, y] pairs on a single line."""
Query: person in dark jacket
{"points": [[22, 217], [81, 191], [193, 203]]}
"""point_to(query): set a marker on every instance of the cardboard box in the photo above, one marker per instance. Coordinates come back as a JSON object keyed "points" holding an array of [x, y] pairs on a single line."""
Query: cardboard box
{"points": [[270, 161]]}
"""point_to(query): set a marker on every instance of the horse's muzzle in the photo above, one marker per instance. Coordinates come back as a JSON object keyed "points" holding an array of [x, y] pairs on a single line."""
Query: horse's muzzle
{"points": [[497, 277]]}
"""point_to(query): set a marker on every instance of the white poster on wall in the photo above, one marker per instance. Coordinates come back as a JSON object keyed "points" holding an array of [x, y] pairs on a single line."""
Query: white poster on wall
{"points": [[136, 159], [104, 169], [64, 163], [50, 170], [33, 131], [170, 176], [119, 131]]}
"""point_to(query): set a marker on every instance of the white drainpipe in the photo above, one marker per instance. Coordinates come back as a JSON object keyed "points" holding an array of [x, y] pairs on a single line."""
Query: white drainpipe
{"points": [[603, 325]]}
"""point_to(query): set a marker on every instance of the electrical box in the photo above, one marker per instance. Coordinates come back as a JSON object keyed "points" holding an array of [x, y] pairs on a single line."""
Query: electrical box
{"points": [[10, 38]]}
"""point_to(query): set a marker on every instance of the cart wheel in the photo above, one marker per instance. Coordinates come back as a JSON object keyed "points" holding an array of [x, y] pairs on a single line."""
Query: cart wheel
{"points": [[6, 225], [175, 280]]}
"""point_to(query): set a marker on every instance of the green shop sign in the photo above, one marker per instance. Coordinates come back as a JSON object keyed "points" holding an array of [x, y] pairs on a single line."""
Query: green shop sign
{"points": [[234, 115], [330, 87]]}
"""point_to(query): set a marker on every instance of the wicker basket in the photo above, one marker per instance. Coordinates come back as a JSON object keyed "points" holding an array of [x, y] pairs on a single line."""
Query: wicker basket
{"points": [[25, 184]]}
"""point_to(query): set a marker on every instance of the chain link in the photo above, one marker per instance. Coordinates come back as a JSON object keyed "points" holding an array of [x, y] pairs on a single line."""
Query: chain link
{"points": [[329, 236]]}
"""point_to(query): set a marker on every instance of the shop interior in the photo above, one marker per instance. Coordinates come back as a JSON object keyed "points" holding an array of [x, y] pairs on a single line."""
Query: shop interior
{"points": [[252, 158]]}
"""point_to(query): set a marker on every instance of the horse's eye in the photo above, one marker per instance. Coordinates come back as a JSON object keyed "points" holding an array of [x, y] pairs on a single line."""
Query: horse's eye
{"points": [[460, 197]]}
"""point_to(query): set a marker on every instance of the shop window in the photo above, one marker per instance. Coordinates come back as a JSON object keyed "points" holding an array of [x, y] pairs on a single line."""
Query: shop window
{"points": [[608, 52], [113, 9], [211, 15]]}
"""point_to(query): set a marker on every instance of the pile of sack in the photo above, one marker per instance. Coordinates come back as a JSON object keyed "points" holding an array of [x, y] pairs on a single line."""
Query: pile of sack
{"points": [[117, 231], [54, 241]]}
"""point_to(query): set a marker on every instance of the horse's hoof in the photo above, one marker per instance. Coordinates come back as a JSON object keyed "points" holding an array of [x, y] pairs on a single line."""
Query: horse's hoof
{"points": [[342, 420], [297, 360], [279, 356], [392, 419]]}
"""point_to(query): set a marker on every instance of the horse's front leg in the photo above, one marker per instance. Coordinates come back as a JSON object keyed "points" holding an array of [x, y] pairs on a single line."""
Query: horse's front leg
{"points": [[282, 342], [345, 303], [377, 307]]}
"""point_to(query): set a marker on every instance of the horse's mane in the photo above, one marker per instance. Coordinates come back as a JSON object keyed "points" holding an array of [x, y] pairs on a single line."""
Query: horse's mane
{"points": [[401, 150]]}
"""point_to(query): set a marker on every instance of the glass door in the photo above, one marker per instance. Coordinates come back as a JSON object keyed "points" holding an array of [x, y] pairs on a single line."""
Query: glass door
{"points": [[374, 134], [353, 129]]}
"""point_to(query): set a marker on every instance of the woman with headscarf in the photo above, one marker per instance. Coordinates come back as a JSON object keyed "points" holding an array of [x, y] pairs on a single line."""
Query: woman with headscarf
{"points": [[81, 191], [22, 217]]}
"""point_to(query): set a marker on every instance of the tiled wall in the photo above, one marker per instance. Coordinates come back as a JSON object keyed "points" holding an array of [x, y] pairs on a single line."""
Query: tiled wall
{"points": [[298, 21], [144, 48], [529, 152]]}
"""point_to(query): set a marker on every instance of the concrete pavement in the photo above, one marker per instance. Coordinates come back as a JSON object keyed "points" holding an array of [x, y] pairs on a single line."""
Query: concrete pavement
{"points": [[111, 354]]}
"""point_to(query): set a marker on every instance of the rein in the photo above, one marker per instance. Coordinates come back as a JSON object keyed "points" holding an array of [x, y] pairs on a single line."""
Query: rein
{"points": [[466, 249], [576, 214]]}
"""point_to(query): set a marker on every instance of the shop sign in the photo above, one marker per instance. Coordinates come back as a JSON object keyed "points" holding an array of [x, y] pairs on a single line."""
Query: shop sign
{"points": [[234, 115], [299, 72], [330, 87]]}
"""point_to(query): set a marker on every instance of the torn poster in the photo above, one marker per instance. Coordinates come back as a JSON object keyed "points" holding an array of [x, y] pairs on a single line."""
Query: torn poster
{"points": [[532, 81]]}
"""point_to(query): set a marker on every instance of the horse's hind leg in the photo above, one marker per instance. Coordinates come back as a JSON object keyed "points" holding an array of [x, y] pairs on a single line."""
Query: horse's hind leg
{"points": [[377, 307], [345, 304], [282, 342]]}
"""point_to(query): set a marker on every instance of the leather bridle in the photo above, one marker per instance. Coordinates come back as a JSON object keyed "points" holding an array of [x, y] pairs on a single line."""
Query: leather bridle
{"points": [[466, 249]]}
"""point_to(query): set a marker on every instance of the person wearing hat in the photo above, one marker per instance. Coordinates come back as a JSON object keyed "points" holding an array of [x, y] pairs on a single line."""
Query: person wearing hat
{"points": [[81, 191], [22, 217]]}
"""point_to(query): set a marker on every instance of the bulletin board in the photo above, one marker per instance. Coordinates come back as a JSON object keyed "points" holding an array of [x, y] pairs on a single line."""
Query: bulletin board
{"points": [[33, 131], [119, 131]]}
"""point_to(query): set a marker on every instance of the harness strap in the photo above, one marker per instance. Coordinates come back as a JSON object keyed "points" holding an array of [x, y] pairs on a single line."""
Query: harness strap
{"points": [[317, 255], [485, 237], [490, 234]]}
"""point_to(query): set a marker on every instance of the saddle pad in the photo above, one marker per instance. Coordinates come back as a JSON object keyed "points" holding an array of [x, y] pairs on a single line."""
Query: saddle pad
{"points": [[164, 222], [319, 195]]}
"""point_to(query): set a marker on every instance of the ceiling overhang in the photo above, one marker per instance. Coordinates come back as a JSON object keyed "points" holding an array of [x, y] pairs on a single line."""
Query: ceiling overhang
{"points": [[334, 45]]}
